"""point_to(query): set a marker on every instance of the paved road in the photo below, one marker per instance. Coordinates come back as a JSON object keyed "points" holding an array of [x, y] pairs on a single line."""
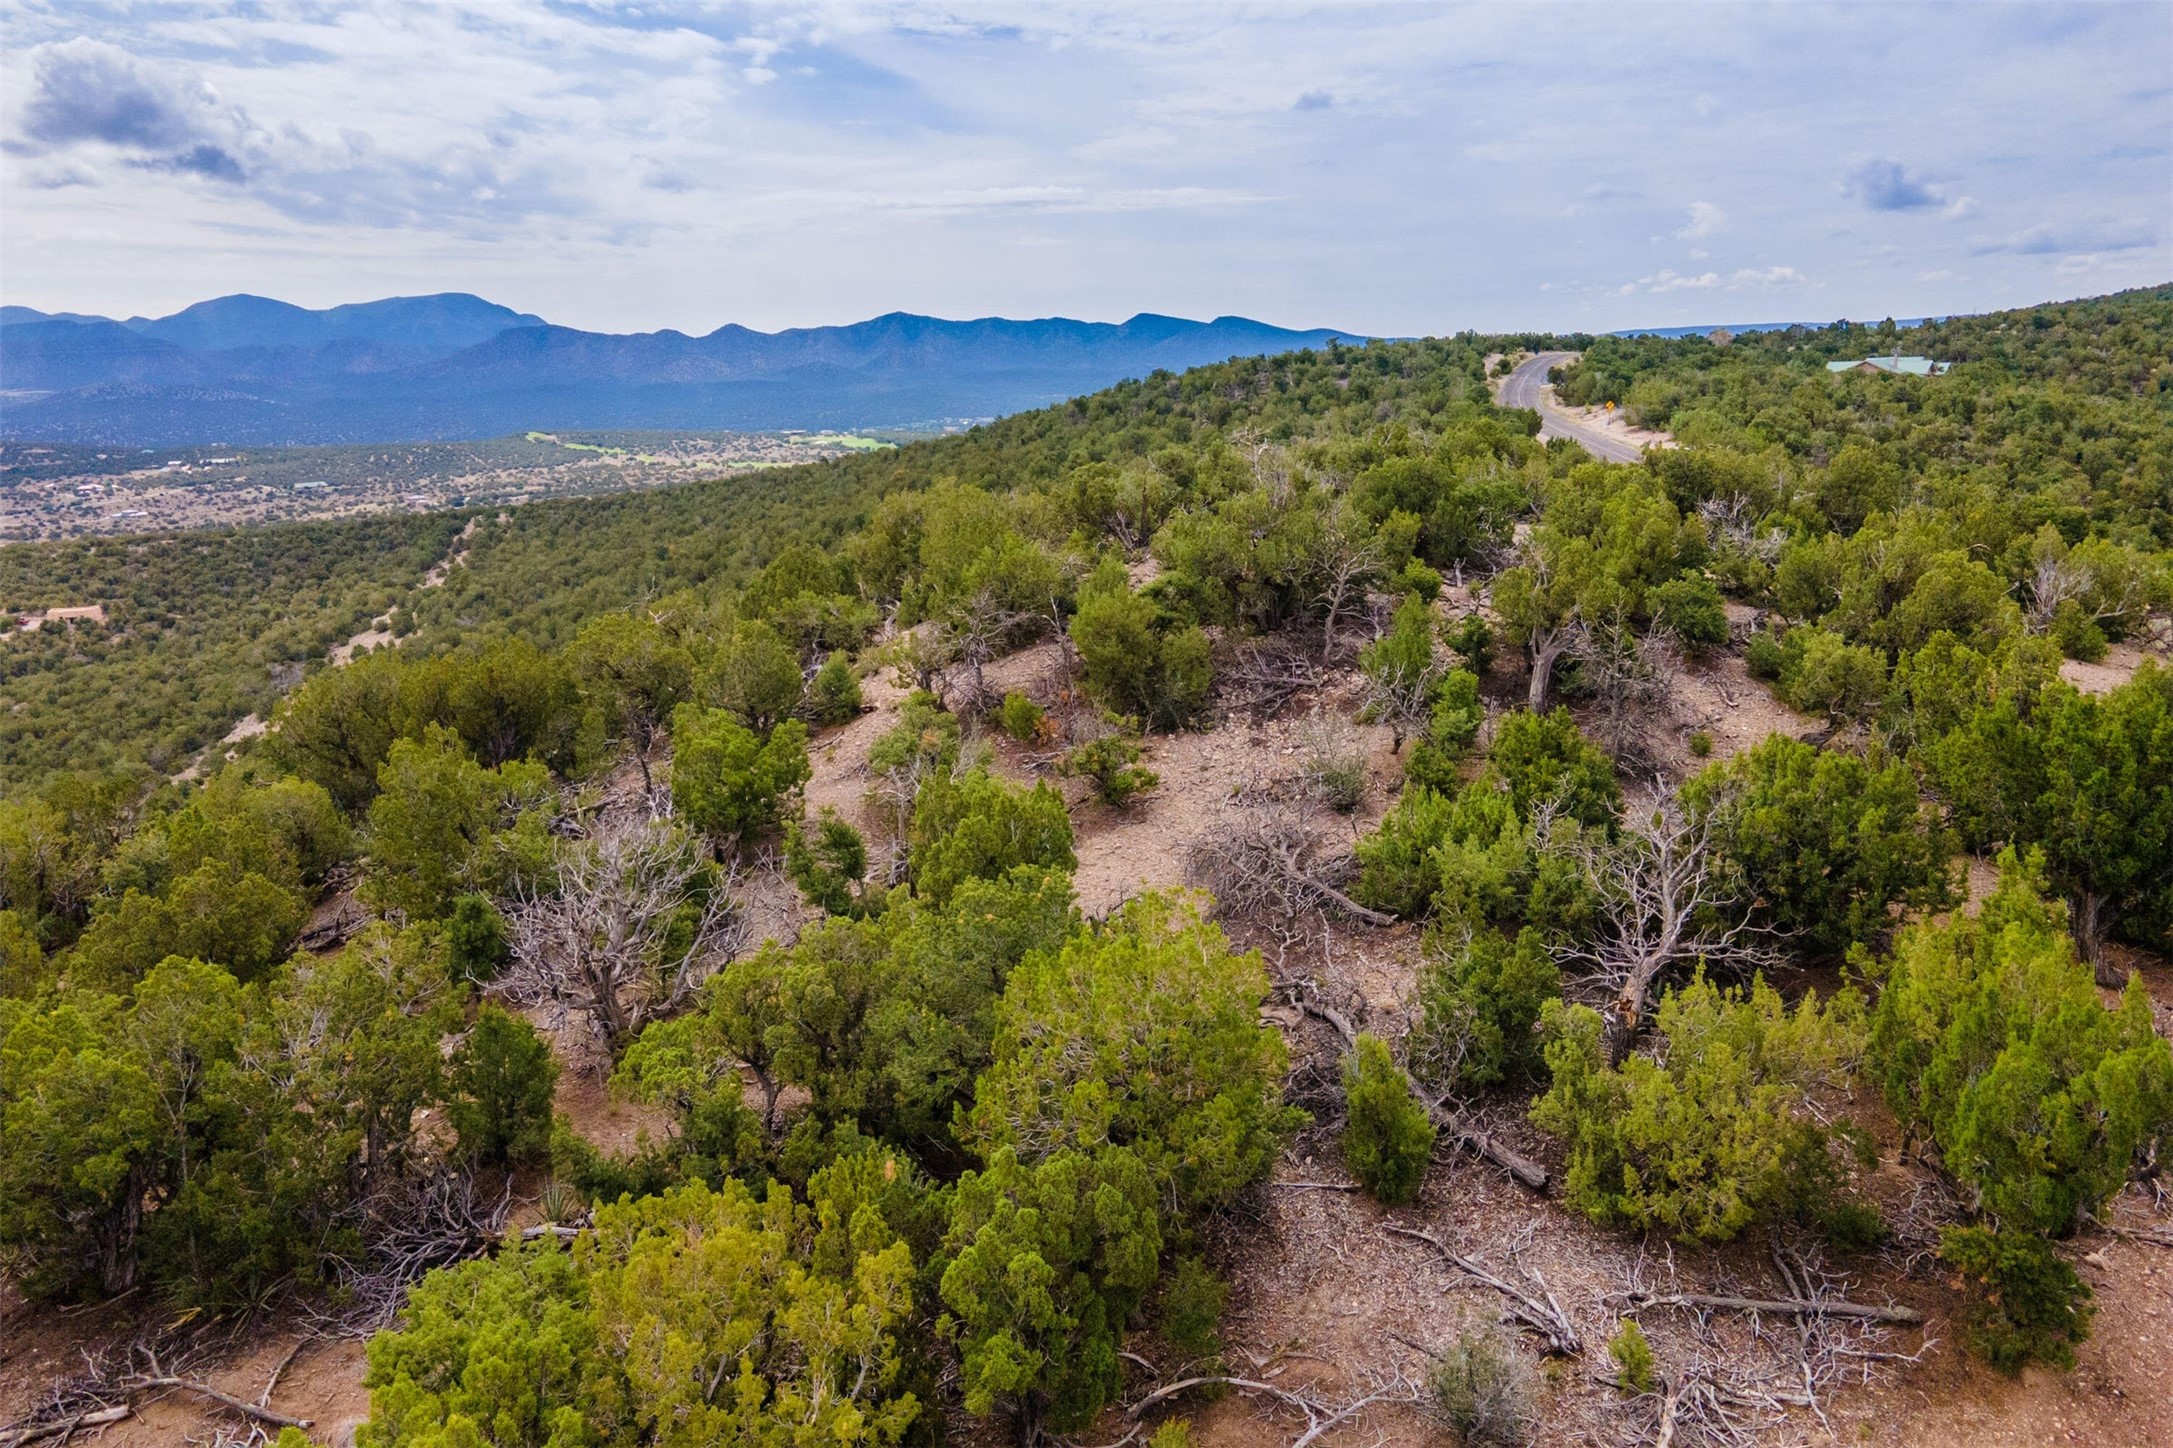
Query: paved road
{"points": [[1527, 387]]}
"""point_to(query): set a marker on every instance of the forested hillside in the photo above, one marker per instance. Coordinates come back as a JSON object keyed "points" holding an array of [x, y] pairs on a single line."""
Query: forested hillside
{"points": [[1105, 919]]}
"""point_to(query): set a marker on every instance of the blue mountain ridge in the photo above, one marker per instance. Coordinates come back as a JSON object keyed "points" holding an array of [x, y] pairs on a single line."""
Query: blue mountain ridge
{"points": [[251, 370]]}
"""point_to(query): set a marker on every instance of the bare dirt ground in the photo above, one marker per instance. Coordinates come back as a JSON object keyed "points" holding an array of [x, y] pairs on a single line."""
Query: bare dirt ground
{"points": [[2109, 673]]}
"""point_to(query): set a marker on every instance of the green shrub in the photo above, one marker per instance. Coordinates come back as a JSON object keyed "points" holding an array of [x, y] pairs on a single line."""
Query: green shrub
{"points": [[1479, 1009], [2025, 1304], [726, 781], [1692, 609], [1388, 1141], [476, 946], [1486, 1391], [1192, 1301], [499, 1091], [1719, 1133], [833, 695], [1111, 764], [1701, 743], [828, 863], [1545, 758], [1633, 1357], [1020, 717], [981, 828]]}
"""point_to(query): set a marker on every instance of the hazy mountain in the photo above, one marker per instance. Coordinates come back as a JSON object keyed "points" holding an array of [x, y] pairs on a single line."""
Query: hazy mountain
{"points": [[248, 369]]}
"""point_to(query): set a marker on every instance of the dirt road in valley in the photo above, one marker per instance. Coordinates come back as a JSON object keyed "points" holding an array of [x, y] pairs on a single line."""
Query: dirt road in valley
{"points": [[1527, 387]]}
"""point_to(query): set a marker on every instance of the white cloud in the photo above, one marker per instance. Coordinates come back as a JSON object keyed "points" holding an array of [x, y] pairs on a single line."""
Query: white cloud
{"points": [[1398, 169], [1705, 219]]}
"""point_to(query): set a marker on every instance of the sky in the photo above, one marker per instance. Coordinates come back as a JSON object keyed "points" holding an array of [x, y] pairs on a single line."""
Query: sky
{"points": [[1387, 169]]}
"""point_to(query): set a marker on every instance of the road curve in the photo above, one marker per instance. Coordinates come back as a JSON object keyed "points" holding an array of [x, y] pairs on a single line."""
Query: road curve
{"points": [[1527, 387]]}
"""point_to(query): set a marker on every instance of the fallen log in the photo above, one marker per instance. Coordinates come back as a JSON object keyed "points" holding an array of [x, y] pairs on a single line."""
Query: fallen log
{"points": [[1788, 1306], [64, 1428]]}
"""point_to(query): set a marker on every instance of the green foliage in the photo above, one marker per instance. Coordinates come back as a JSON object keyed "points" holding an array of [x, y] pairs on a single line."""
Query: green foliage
{"points": [[1451, 729], [1632, 1355], [1020, 717], [1111, 764], [796, 1311], [22, 962], [498, 1093], [829, 863], [239, 919], [1136, 662], [1401, 674], [729, 783], [443, 826], [1690, 608], [1147, 1032], [1388, 1140], [833, 694], [1479, 1010], [1485, 1391], [496, 1350], [476, 944], [2080, 778], [2025, 1304], [1823, 674], [630, 665], [1829, 844], [752, 673], [1191, 1308], [1048, 1261], [1989, 1038], [980, 828], [1715, 1136], [1544, 759]]}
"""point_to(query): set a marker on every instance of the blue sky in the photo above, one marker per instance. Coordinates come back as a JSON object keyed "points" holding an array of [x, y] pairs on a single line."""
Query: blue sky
{"points": [[1385, 168]]}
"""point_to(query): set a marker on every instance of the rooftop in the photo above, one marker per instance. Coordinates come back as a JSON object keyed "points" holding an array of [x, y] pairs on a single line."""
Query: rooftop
{"points": [[1911, 366]]}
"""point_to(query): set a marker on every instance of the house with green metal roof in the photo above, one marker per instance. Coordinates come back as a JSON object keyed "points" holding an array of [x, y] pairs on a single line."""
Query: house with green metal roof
{"points": [[1894, 365]]}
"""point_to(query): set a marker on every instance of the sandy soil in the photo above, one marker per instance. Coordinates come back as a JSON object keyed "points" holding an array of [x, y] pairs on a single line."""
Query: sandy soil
{"points": [[2109, 673]]}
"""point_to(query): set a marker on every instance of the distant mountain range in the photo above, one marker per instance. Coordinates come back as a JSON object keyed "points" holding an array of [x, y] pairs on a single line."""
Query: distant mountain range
{"points": [[250, 370]]}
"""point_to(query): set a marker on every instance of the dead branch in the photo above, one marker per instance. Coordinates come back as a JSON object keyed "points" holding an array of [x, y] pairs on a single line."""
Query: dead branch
{"points": [[64, 1428], [1785, 1307], [1267, 863], [1320, 1417], [1536, 1307], [1265, 675], [224, 1400]]}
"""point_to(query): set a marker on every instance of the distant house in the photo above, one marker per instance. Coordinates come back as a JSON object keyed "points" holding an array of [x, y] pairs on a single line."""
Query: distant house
{"points": [[1896, 364]]}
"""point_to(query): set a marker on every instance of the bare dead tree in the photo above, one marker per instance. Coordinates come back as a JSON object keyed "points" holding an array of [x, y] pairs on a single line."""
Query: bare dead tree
{"points": [[1268, 860], [1666, 899], [1345, 558], [599, 943], [1731, 522], [1320, 1416], [1632, 675], [1733, 1386], [983, 627]]}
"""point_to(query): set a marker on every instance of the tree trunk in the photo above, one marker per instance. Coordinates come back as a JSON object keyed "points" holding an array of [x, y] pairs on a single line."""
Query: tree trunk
{"points": [[2090, 925], [1543, 657]]}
